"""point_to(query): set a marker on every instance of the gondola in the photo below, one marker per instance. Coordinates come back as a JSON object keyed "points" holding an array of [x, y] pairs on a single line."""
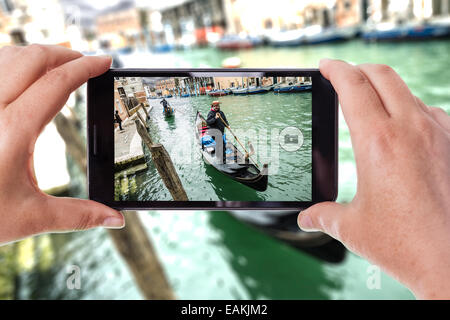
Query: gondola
{"points": [[235, 167], [168, 112], [282, 225]]}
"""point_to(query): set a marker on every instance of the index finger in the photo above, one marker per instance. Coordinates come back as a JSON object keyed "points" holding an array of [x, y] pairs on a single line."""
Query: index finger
{"points": [[360, 102], [23, 67], [48, 95]]}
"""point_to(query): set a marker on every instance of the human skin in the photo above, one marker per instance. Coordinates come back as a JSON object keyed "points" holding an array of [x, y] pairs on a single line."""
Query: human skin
{"points": [[35, 83], [399, 218]]}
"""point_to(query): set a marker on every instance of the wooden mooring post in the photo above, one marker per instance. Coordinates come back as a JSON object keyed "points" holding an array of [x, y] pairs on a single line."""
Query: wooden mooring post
{"points": [[147, 116], [163, 164], [132, 242], [144, 123]]}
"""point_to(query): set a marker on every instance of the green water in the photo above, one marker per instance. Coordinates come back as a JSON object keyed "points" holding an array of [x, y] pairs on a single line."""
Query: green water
{"points": [[211, 255], [259, 118]]}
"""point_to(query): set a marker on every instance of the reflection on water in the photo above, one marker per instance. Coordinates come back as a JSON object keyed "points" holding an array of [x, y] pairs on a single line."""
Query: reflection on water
{"points": [[211, 255]]}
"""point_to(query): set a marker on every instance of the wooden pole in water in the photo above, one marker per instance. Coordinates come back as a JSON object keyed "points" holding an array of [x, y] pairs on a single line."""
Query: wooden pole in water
{"points": [[132, 242], [145, 111], [163, 164], [140, 118], [134, 246]]}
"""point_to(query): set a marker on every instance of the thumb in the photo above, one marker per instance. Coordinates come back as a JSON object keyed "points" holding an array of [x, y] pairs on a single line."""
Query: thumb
{"points": [[325, 216], [69, 214]]}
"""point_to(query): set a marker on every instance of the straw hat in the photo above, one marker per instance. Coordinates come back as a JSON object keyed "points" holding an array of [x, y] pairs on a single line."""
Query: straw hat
{"points": [[215, 103]]}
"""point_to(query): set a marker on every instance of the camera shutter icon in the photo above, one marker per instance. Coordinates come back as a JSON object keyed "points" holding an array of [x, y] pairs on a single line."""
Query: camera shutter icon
{"points": [[291, 139]]}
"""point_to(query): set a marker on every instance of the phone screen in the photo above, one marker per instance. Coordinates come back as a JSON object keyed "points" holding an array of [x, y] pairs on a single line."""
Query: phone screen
{"points": [[229, 138]]}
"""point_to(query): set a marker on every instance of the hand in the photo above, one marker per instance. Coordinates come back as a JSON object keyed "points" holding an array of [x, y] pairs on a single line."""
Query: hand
{"points": [[400, 216], [35, 82], [217, 115]]}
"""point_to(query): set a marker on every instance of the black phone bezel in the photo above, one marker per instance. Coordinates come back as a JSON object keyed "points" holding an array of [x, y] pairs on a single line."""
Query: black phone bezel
{"points": [[100, 140]]}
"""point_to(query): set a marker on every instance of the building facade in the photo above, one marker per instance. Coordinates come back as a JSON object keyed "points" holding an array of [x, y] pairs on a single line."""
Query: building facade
{"points": [[190, 21], [129, 93], [28, 21], [119, 27], [401, 11]]}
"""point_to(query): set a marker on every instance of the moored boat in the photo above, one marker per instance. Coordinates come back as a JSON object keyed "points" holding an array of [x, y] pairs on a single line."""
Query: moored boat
{"points": [[288, 38], [317, 35], [258, 89], [236, 42], [239, 91], [292, 88], [269, 87], [169, 112], [236, 167], [218, 93], [411, 31]]}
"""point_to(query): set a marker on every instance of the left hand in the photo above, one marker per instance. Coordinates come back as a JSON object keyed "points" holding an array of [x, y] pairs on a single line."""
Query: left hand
{"points": [[35, 83]]}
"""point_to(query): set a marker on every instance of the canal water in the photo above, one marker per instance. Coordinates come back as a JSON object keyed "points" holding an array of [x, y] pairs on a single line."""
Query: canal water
{"points": [[260, 118], [211, 255]]}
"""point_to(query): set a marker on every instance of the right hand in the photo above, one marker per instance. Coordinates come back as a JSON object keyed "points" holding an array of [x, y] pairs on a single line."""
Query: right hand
{"points": [[400, 216], [217, 115]]}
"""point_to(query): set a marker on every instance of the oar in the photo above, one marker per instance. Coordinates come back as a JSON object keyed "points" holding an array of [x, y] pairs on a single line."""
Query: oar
{"points": [[247, 154]]}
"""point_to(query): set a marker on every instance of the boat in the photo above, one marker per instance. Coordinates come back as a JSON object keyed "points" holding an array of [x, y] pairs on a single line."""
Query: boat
{"points": [[302, 87], [168, 96], [292, 88], [411, 31], [236, 42], [317, 34], [239, 91], [231, 62], [218, 93], [162, 48], [290, 38], [236, 167], [269, 87], [282, 226], [169, 112], [258, 89], [185, 95]]}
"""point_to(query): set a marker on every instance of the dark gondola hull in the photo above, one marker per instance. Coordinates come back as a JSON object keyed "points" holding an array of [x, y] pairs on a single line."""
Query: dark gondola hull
{"points": [[246, 173], [169, 113]]}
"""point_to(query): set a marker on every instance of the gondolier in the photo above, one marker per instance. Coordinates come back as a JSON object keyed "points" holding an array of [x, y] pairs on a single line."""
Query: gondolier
{"points": [[215, 120], [237, 167], [167, 108], [165, 105]]}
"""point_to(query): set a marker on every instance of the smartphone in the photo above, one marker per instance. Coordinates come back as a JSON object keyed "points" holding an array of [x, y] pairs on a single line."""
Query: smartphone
{"points": [[212, 139]]}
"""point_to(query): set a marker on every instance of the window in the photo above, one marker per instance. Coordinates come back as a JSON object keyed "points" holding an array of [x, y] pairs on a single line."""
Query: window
{"points": [[347, 5]]}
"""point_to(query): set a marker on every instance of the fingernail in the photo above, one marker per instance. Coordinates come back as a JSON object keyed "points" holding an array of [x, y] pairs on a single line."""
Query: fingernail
{"points": [[113, 223], [105, 56], [305, 222]]}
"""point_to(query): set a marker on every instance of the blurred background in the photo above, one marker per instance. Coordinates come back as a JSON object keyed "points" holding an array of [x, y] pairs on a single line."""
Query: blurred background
{"points": [[218, 255]]}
